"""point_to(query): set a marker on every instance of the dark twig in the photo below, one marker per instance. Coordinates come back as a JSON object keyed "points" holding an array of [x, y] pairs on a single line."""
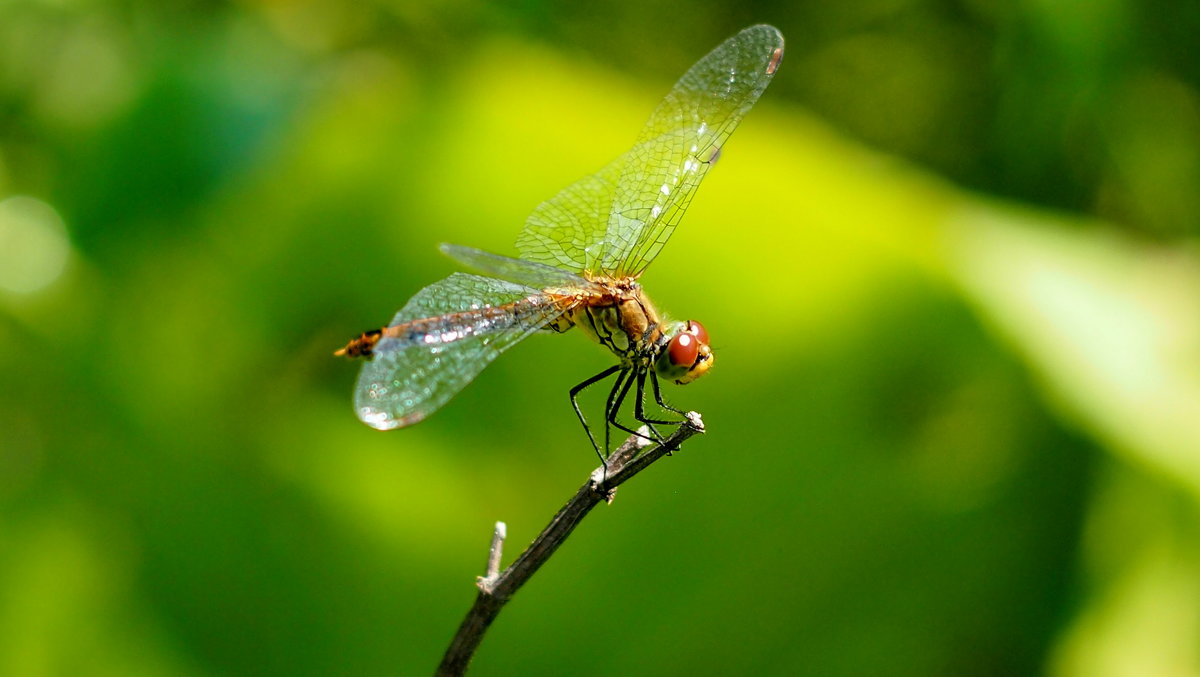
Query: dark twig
{"points": [[496, 588]]}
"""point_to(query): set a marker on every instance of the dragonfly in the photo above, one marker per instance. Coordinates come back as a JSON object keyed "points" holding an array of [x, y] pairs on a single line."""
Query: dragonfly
{"points": [[582, 253]]}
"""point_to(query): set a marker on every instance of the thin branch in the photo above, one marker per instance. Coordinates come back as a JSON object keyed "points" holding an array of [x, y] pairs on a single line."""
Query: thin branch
{"points": [[495, 589]]}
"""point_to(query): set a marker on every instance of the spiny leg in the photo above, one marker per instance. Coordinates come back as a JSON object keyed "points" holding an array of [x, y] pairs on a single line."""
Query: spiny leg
{"points": [[657, 398], [608, 406], [611, 414], [638, 375], [579, 412], [639, 409], [658, 395]]}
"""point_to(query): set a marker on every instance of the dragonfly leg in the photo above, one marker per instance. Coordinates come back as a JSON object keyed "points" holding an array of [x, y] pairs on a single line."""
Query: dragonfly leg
{"points": [[658, 395], [639, 375], [608, 407], [579, 412], [640, 406], [615, 408]]}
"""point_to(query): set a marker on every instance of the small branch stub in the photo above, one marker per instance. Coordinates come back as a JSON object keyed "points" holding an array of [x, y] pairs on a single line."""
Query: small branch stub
{"points": [[486, 581]]}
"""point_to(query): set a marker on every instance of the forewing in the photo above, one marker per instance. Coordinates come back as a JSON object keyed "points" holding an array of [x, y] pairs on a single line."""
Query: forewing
{"points": [[680, 142], [567, 231], [529, 273], [440, 340]]}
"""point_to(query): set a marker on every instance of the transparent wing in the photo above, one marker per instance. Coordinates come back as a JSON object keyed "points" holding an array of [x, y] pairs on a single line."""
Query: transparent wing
{"points": [[440, 340], [568, 230], [529, 273], [681, 141], [616, 221]]}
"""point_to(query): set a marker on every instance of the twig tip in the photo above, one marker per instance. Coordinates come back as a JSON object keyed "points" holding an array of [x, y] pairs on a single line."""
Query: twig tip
{"points": [[495, 552]]}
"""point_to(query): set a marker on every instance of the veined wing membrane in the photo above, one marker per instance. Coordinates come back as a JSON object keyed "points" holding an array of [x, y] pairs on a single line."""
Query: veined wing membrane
{"points": [[616, 220], [680, 142], [568, 229], [440, 340], [529, 273]]}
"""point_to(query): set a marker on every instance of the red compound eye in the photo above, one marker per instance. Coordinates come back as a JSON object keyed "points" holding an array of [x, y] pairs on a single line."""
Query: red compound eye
{"points": [[694, 327], [683, 350]]}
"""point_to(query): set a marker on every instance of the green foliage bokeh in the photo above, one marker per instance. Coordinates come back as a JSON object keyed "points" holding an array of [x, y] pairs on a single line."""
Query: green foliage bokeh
{"points": [[948, 264]]}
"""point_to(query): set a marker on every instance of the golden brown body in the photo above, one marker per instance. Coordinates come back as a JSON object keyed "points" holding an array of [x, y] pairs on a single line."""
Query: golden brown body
{"points": [[621, 318], [617, 314]]}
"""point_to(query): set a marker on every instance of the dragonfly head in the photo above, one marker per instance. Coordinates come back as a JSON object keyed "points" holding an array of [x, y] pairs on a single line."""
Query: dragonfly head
{"points": [[687, 355]]}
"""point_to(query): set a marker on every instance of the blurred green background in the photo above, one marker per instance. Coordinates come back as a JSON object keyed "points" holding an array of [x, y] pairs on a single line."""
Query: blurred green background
{"points": [[949, 265]]}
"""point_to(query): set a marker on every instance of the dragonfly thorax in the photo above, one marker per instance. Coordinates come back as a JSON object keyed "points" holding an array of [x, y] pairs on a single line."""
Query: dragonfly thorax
{"points": [[623, 320]]}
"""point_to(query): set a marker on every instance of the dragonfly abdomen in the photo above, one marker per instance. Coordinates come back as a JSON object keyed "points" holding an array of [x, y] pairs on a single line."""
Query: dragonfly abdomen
{"points": [[451, 327]]}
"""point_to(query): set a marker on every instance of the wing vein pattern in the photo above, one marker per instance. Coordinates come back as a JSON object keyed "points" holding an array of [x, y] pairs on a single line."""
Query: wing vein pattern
{"points": [[616, 221], [440, 340]]}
